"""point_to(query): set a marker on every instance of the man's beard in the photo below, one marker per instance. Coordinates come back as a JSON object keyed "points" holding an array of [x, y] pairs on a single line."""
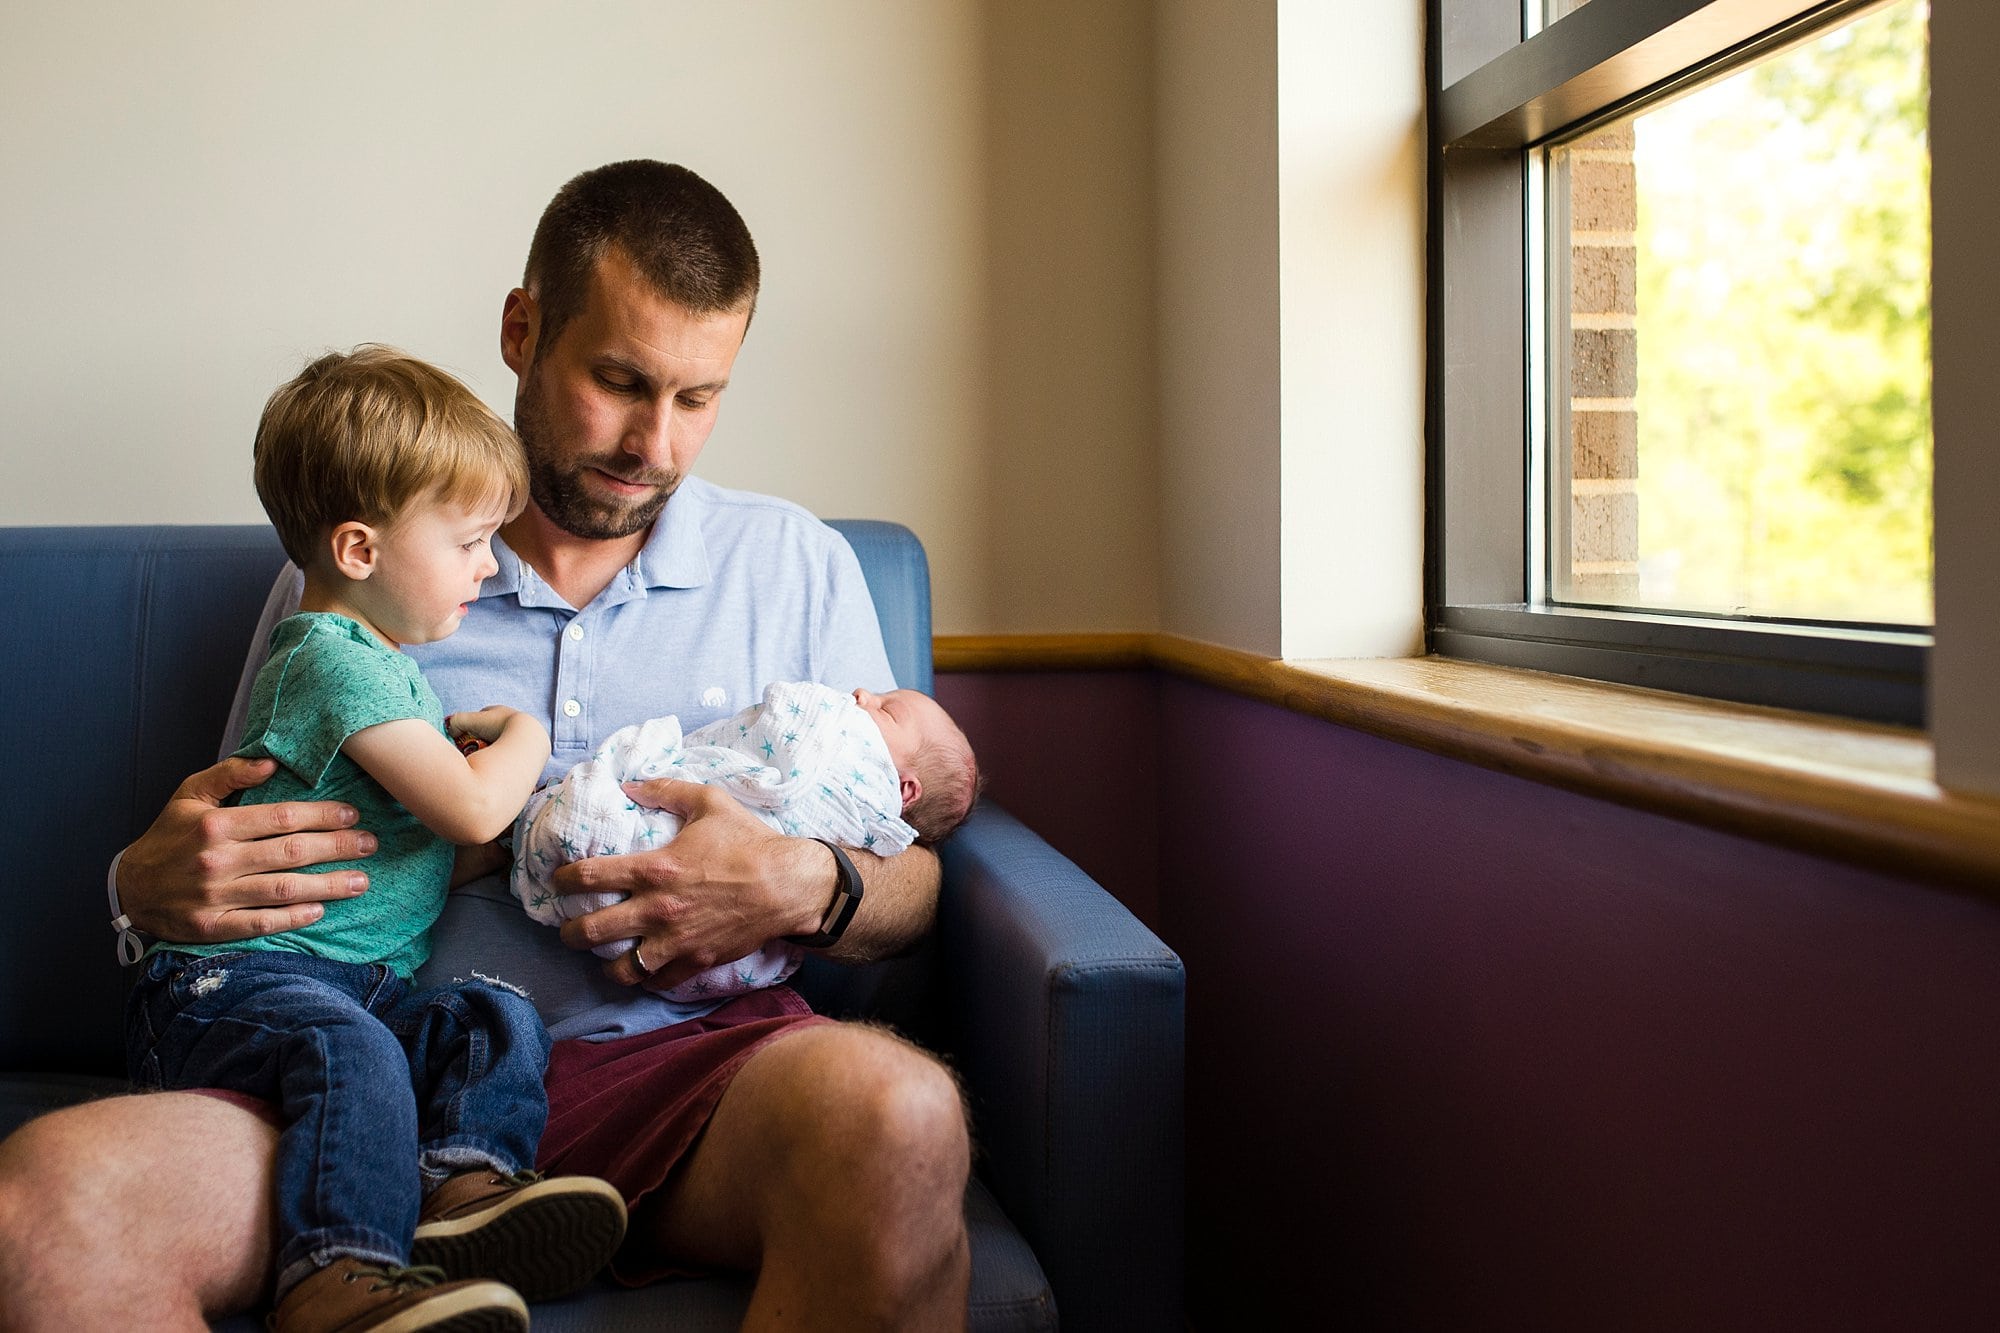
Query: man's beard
{"points": [[556, 484]]}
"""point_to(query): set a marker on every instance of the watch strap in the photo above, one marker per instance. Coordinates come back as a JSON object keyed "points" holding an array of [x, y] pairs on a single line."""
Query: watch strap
{"points": [[846, 899]]}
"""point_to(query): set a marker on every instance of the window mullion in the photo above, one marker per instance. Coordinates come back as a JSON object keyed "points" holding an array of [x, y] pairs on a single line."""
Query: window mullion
{"points": [[1604, 54]]}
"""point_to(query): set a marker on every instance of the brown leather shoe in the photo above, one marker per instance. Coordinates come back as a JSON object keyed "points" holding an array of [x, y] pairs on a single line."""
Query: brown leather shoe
{"points": [[542, 1237], [349, 1295]]}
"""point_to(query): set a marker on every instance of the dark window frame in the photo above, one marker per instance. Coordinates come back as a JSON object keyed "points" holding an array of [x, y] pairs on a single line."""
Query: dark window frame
{"points": [[1506, 96]]}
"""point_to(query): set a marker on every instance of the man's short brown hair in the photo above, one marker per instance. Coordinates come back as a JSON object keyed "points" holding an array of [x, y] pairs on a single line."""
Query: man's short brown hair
{"points": [[358, 436], [676, 228]]}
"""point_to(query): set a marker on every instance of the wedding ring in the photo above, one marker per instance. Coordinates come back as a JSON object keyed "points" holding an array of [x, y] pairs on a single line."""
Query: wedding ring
{"points": [[644, 971]]}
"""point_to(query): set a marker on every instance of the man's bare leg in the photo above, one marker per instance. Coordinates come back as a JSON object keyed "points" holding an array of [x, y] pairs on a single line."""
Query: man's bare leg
{"points": [[835, 1166], [134, 1212]]}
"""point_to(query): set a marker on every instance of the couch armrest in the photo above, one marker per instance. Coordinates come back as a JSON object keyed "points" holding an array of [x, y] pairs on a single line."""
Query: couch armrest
{"points": [[1068, 1016]]}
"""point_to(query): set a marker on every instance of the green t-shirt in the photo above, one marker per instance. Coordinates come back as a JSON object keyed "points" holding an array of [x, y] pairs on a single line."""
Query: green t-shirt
{"points": [[326, 679]]}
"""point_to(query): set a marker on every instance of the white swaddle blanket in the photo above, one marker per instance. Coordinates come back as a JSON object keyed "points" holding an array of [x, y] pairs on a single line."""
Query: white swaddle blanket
{"points": [[807, 761]]}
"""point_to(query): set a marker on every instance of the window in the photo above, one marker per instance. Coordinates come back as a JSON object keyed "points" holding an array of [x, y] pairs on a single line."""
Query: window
{"points": [[1681, 390]]}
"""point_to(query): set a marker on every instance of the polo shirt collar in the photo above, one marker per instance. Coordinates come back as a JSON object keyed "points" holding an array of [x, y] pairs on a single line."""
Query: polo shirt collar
{"points": [[674, 556]]}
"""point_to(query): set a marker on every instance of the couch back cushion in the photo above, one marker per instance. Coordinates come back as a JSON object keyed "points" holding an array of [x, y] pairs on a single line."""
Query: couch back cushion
{"points": [[122, 647]]}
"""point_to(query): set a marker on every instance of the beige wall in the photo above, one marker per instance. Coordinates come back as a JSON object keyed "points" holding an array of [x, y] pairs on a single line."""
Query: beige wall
{"points": [[1021, 256], [1291, 270], [1964, 710], [1068, 336], [199, 195], [1351, 160], [1221, 404]]}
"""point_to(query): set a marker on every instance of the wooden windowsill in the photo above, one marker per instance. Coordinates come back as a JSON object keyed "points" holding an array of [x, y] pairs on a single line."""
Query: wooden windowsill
{"points": [[1851, 790]]}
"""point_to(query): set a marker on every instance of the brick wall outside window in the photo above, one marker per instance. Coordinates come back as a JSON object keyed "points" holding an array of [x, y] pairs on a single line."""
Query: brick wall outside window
{"points": [[1604, 370]]}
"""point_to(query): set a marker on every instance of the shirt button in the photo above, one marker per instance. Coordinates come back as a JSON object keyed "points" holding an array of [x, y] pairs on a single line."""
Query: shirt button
{"points": [[575, 632], [571, 708]]}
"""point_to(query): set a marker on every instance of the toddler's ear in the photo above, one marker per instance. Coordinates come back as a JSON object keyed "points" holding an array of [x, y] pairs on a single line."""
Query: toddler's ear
{"points": [[352, 546], [912, 789]]}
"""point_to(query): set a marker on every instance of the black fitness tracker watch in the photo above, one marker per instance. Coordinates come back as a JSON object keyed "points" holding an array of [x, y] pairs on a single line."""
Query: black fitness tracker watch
{"points": [[846, 898]]}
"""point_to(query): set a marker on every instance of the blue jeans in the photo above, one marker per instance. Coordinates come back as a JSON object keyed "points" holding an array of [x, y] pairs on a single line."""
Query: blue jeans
{"points": [[383, 1090]]}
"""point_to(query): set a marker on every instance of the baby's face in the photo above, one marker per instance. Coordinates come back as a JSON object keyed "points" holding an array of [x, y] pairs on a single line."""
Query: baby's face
{"points": [[909, 721]]}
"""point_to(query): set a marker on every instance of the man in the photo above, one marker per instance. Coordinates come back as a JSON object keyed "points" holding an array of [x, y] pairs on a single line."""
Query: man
{"points": [[830, 1159]]}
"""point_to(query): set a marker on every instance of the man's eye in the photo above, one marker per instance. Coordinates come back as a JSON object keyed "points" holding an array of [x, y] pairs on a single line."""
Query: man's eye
{"points": [[695, 403], [616, 385]]}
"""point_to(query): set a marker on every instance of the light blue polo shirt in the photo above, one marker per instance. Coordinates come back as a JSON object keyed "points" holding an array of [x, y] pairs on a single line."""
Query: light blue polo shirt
{"points": [[731, 592]]}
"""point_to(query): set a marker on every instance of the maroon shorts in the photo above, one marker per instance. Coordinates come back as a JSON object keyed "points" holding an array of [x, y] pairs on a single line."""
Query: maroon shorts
{"points": [[256, 1106], [628, 1111]]}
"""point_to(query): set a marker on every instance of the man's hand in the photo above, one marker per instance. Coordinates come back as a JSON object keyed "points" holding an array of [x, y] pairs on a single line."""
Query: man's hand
{"points": [[206, 873], [724, 887]]}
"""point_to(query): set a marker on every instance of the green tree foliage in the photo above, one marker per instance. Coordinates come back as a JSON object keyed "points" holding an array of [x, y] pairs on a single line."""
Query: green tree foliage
{"points": [[1784, 333]]}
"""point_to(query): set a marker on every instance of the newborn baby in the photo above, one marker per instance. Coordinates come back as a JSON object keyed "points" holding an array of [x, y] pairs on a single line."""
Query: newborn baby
{"points": [[871, 771]]}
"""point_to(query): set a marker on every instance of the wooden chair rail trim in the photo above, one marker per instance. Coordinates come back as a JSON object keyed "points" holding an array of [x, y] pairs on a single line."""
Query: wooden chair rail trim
{"points": [[1849, 790]]}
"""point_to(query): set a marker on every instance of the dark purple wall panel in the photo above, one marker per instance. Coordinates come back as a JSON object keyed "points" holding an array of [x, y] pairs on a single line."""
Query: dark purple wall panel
{"points": [[1511, 1056], [1470, 1052], [1075, 756]]}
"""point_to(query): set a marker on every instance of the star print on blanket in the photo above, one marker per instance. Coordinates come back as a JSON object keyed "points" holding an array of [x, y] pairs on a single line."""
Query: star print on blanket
{"points": [[806, 760]]}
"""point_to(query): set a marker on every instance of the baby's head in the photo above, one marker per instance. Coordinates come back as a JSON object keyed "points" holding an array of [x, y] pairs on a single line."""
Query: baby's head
{"points": [[940, 777], [369, 435]]}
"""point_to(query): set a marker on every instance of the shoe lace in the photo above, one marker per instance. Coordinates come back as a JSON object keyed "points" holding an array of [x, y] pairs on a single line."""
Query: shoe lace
{"points": [[522, 1178], [395, 1277]]}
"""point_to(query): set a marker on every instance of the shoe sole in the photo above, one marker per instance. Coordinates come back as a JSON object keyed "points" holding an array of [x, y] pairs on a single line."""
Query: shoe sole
{"points": [[545, 1241], [480, 1309]]}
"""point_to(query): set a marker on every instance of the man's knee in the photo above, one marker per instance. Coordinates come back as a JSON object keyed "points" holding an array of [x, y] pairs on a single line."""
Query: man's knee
{"points": [[44, 1164], [15, 1192], [884, 1103], [886, 1137], [168, 1194], [44, 1179]]}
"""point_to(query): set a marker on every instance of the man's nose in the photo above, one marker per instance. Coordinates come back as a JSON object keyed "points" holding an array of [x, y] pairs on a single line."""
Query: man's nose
{"points": [[649, 435]]}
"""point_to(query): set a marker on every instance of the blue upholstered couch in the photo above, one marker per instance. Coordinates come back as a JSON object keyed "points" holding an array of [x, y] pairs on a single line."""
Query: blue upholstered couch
{"points": [[1060, 1011]]}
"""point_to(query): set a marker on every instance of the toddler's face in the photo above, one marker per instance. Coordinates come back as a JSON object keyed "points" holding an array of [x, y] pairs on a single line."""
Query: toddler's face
{"points": [[909, 720], [432, 559]]}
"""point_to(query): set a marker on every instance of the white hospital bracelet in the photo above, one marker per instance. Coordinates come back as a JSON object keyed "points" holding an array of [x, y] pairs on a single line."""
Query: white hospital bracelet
{"points": [[131, 948]]}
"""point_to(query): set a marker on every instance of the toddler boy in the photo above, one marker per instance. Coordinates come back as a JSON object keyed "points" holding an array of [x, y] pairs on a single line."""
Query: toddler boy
{"points": [[407, 1119]]}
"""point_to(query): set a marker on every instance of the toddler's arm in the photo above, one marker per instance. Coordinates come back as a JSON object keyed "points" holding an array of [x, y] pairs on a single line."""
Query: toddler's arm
{"points": [[466, 799]]}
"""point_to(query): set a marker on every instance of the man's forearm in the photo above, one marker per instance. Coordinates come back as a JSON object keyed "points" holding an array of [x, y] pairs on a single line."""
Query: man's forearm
{"points": [[898, 905]]}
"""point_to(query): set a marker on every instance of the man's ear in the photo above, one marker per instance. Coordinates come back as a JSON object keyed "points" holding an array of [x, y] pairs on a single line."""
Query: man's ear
{"points": [[912, 789], [352, 546], [520, 328]]}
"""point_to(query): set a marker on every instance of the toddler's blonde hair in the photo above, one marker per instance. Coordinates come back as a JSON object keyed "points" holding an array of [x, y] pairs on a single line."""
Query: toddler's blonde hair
{"points": [[359, 436]]}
